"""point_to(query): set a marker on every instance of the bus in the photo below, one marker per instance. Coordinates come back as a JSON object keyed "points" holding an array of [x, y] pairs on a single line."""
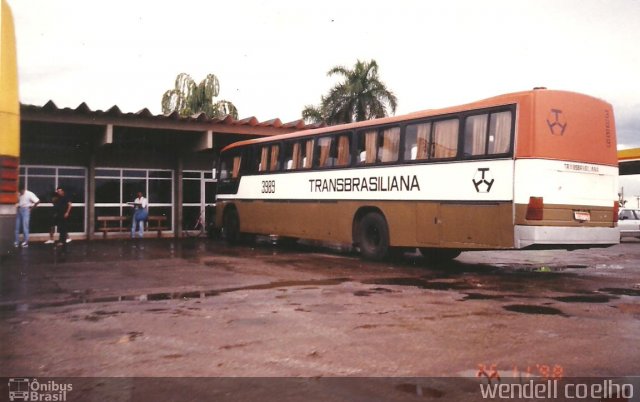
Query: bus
{"points": [[9, 129], [529, 170]]}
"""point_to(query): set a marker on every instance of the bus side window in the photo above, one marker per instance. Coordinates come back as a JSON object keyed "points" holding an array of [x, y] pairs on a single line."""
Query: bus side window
{"points": [[230, 167], [416, 140], [500, 133], [445, 139], [487, 134], [388, 152], [264, 159], [367, 147], [236, 167], [475, 135], [224, 170], [274, 162], [307, 154], [291, 156], [323, 158], [344, 150]]}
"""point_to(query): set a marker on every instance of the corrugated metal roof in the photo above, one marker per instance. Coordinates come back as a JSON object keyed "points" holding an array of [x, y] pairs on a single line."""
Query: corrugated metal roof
{"points": [[114, 111]]}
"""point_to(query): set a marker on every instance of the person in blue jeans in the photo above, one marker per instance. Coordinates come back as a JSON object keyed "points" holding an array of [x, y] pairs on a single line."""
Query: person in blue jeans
{"points": [[140, 215], [26, 202]]}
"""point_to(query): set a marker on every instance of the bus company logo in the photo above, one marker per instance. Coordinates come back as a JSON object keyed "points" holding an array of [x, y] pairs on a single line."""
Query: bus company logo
{"points": [[483, 180], [26, 389], [556, 122]]}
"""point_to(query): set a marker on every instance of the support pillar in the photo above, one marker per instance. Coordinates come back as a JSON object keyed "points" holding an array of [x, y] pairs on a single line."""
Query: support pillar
{"points": [[177, 196], [91, 195]]}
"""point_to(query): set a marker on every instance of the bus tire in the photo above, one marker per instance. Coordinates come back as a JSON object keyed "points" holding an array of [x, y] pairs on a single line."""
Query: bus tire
{"points": [[373, 236], [439, 254], [231, 226]]}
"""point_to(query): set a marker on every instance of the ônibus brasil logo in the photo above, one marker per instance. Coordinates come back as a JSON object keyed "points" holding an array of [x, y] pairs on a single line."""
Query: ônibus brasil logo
{"points": [[26, 389]]}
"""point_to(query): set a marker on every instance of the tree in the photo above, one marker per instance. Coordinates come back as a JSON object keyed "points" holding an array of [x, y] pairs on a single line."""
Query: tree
{"points": [[361, 96], [187, 98]]}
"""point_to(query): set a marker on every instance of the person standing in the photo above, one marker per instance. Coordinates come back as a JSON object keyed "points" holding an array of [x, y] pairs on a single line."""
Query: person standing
{"points": [[26, 202], [140, 215], [54, 220], [52, 227], [62, 210]]}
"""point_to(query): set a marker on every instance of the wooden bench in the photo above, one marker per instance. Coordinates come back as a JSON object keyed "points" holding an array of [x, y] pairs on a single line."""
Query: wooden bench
{"points": [[157, 223], [106, 224]]}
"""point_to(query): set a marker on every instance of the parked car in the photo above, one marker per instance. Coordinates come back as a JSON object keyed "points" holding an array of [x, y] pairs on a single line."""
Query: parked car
{"points": [[629, 223]]}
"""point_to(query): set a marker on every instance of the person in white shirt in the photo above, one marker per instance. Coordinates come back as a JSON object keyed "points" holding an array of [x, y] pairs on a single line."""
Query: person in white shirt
{"points": [[26, 202], [140, 215]]}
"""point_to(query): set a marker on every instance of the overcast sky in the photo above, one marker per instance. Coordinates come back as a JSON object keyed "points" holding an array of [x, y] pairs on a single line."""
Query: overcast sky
{"points": [[271, 56]]}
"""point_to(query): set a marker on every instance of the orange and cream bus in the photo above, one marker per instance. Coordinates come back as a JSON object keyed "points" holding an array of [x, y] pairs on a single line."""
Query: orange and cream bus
{"points": [[9, 128], [535, 169]]}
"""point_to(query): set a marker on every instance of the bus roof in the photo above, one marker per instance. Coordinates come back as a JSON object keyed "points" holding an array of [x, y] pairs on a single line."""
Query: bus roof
{"points": [[500, 100]]}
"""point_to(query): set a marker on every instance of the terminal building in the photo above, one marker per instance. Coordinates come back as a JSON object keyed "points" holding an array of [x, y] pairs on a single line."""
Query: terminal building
{"points": [[103, 158]]}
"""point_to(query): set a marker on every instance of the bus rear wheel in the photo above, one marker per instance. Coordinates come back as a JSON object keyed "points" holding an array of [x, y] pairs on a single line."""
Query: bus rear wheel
{"points": [[231, 226], [439, 254], [373, 236]]}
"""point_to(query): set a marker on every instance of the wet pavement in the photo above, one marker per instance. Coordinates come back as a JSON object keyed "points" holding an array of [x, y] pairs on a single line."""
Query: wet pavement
{"points": [[199, 308]]}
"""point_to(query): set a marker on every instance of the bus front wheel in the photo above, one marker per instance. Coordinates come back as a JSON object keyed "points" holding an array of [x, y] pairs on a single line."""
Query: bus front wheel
{"points": [[373, 236], [231, 226]]}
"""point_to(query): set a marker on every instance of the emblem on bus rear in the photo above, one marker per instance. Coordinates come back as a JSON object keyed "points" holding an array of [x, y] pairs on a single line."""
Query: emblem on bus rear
{"points": [[483, 180], [556, 122]]}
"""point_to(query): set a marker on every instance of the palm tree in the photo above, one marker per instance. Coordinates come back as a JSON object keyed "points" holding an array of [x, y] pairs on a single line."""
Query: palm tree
{"points": [[361, 96], [187, 98]]}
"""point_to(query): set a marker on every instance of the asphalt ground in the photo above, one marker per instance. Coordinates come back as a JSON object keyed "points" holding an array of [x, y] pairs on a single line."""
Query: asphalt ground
{"points": [[166, 308]]}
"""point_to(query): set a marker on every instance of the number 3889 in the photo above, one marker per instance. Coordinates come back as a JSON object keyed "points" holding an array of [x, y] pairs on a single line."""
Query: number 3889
{"points": [[268, 186]]}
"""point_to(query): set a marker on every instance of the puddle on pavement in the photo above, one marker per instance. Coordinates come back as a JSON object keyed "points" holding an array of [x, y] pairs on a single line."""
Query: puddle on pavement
{"points": [[421, 283], [288, 284], [533, 309], [373, 291], [415, 282], [100, 314], [419, 390], [482, 296], [621, 291], [584, 299], [22, 307]]}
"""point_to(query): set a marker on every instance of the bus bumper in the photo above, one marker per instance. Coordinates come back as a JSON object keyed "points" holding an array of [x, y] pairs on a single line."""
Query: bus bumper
{"points": [[559, 236]]}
